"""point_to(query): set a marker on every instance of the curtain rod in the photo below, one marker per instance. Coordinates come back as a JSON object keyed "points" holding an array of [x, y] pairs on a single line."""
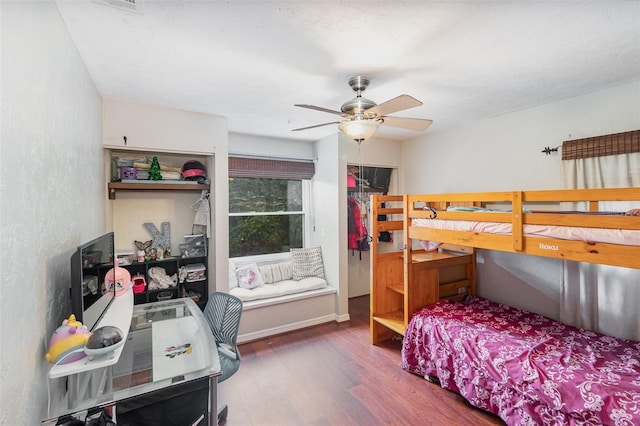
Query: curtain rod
{"points": [[271, 157]]}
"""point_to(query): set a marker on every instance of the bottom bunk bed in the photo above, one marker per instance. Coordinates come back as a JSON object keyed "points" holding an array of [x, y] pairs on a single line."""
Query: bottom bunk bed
{"points": [[526, 368]]}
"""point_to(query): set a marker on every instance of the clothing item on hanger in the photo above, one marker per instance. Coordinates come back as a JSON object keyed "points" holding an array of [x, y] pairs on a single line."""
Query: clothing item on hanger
{"points": [[202, 217]]}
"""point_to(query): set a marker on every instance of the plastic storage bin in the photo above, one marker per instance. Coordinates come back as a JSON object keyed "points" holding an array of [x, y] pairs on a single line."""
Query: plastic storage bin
{"points": [[195, 272]]}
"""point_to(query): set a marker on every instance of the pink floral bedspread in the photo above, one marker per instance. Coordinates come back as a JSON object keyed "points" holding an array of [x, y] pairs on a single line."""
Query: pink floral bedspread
{"points": [[524, 367]]}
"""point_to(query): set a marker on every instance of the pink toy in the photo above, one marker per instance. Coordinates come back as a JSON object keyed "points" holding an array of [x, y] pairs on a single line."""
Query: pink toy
{"points": [[70, 337], [139, 284], [117, 280]]}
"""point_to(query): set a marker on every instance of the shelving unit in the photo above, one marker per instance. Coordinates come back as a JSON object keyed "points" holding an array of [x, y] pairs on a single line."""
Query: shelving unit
{"points": [[171, 266], [404, 281], [130, 206]]}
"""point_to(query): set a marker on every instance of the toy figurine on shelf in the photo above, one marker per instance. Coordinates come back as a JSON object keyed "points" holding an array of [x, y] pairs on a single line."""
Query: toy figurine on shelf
{"points": [[154, 170], [142, 249], [67, 342]]}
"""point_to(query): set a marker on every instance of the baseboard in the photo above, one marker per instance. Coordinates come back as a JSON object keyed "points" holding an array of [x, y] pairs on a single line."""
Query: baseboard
{"points": [[343, 318], [247, 337]]}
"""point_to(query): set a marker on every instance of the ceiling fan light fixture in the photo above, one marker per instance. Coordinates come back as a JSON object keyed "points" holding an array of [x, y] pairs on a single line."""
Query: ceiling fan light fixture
{"points": [[361, 116], [359, 129]]}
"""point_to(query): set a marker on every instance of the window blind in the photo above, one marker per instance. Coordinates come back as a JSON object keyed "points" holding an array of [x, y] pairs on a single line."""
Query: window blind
{"points": [[600, 146], [246, 167]]}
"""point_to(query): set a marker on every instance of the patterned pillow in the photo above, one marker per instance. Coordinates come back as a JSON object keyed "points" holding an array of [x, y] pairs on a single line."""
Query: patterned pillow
{"points": [[274, 272], [307, 262], [249, 276]]}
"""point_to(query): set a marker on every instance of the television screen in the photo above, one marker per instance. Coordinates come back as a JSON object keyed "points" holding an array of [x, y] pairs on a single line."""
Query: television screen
{"points": [[89, 266]]}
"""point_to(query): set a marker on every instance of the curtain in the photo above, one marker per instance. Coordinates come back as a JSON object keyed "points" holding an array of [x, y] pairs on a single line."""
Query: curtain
{"points": [[248, 167], [600, 297]]}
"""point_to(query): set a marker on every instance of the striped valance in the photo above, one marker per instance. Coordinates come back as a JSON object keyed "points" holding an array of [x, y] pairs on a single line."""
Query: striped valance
{"points": [[246, 167], [599, 146]]}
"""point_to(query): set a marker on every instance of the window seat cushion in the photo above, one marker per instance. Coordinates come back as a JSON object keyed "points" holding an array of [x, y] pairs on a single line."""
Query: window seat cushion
{"points": [[278, 288]]}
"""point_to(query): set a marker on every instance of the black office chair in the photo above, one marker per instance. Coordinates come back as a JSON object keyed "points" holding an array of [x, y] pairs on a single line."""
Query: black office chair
{"points": [[223, 312]]}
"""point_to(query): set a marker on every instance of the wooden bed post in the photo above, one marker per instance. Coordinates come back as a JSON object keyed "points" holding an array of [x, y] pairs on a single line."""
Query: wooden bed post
{"points": [[516, 222], [407, 248]]}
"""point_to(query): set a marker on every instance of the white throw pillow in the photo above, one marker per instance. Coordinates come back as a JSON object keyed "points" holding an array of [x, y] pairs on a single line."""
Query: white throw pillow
{"points": [[275, 272], [307, 262], [249, 276]]}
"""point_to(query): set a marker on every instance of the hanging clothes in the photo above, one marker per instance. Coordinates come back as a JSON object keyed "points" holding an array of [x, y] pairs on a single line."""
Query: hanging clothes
{"points": [[202, 219], [357, 230], [363, 243], [354, 224]]}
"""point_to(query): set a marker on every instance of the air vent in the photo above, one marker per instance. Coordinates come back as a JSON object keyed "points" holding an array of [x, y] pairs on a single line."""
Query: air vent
{"points": [[132, 6]]}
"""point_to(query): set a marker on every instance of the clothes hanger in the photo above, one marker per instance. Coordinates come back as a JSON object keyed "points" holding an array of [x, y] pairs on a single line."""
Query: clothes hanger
{"points": [[204, 196]]}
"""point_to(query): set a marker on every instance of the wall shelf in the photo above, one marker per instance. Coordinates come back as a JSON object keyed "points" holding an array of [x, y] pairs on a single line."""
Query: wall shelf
{"points": [[159, 186]]}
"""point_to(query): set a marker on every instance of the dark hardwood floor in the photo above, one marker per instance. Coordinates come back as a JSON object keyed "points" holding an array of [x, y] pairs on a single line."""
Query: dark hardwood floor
{"points": [[331, 375]]}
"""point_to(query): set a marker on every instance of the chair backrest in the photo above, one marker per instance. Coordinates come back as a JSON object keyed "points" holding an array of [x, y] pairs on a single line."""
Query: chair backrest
{"points": [[223, 312]]}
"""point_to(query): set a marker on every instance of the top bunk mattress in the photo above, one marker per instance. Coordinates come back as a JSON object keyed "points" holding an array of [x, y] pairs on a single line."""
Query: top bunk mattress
{"points": [[594, 235]]}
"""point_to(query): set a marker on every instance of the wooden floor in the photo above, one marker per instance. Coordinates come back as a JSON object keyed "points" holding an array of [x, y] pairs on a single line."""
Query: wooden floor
{"points": [[331, 375]]}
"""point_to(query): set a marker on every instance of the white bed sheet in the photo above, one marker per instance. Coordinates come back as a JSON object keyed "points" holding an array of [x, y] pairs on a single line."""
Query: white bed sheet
{"points": [[594, 235]]}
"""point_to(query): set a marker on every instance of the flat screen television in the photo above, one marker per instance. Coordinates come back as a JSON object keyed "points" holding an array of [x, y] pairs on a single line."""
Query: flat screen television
{"points": [[89, 266]]}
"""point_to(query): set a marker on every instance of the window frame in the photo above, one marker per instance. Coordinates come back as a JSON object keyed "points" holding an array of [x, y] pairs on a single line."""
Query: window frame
{"points": [[307, 224]]}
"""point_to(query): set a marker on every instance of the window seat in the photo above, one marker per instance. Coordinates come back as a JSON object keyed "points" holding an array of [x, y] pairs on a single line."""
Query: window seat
{"points": [[278, 289], [287, 298], [280, 303]]}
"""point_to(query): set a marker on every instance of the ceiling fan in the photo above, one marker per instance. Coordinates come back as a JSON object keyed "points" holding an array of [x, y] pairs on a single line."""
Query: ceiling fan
{"points": [[362, 116]]}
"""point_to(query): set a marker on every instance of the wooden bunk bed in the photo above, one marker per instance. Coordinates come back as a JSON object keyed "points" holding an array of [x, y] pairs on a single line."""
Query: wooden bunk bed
{"points": [[526, 368]]}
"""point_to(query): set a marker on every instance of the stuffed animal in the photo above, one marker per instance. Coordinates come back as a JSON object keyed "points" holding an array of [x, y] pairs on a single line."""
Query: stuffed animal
{"points": [[67, 342], [117, 280]]}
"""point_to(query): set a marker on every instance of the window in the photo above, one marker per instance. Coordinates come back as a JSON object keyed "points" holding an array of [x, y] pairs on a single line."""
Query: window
{"points": [[268, 207]]}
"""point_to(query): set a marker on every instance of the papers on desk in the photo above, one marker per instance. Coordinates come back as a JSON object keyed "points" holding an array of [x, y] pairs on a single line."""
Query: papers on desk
{"points": [[177, 348]]}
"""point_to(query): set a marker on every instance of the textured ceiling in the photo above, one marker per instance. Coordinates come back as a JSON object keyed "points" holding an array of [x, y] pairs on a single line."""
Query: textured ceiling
{"points": [[251, 61]]}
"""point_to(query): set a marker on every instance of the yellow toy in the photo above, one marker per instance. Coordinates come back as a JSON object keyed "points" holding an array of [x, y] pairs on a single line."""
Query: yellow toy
{"points": [[67, 342]]}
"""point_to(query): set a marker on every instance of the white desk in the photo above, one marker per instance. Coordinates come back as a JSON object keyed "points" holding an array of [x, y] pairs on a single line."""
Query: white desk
{"points": [[169, 344]]}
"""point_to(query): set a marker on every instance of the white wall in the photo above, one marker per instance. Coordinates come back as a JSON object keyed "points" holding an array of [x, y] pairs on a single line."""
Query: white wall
{"points": [[504, 153], [52, 194], [269, 147], [329, 209]]}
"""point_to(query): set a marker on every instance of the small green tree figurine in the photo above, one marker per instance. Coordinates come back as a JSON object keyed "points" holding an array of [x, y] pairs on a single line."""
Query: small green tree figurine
{"points": [[154, 170]]}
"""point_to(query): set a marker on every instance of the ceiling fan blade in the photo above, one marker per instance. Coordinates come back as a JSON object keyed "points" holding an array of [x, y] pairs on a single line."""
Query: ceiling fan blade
{"points": [[317, 125], [399, 103], [317, 108], [406, 123]]}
